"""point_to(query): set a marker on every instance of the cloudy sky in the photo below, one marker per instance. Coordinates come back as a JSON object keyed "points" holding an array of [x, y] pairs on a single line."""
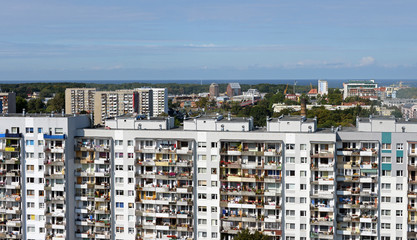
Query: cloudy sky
{"points": [[178, 39]]}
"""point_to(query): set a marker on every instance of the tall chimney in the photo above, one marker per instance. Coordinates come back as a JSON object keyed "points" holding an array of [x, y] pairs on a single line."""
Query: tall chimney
{"points": [[303, 107]]}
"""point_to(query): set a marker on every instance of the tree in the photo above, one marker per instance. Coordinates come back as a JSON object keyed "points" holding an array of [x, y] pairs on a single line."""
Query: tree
{"points": [[56, 104], [21, 104], [36, 106], [246, 235]]}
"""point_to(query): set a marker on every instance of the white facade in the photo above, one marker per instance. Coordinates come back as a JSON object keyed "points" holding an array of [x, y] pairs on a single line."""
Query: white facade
{"points": [[160, 101], [323, 87]]}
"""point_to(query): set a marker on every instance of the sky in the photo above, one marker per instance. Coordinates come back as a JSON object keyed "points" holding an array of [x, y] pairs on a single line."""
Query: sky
{"points": [[178, 39]]}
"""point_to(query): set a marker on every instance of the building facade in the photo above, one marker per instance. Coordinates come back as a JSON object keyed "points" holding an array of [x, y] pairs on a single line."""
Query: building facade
{"points": [[233, 89], [360, 88], [140, 178], [214, 90], [79, 99], [323, 87], [8, 102]]}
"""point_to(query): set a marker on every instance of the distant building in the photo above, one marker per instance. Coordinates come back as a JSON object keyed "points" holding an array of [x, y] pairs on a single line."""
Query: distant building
{"points": [[409, 110], [312, 93], [323, 87], [8, 102], [160, 101], [234, 89], [293, 97], [79, 99], [114, 103], [360, 88], [214, 90], [145, 101]]}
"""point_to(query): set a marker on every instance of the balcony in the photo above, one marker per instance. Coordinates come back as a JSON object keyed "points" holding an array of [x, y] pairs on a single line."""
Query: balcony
{"points": [[321, 154]]}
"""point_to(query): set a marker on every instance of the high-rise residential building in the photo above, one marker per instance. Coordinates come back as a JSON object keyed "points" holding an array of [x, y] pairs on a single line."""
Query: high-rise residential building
{"points": [[138, 178], [160, 101], [145, 101], [7, 102], [109, 104], [360, 88], [233, 89], [214, 90], [79, 99], [36, 196], [323, 87]]}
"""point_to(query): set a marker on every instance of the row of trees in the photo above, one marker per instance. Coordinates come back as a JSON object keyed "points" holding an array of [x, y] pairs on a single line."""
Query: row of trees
{"points": [[56, 104]]}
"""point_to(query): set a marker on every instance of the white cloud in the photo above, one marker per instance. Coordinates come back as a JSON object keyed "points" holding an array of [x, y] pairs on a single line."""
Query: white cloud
{"points": [[365, 61]]}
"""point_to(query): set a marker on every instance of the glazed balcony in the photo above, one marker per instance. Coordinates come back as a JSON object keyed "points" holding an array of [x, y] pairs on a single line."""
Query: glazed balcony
{"points": [[322, 234], [54, 161]]}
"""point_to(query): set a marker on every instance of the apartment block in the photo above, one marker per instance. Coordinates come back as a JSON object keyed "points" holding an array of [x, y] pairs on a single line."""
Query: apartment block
{"points": [[8, 102], [142, 178], [35, 172], [160, 101], [360, 88], [79, 99], [108, 104]]}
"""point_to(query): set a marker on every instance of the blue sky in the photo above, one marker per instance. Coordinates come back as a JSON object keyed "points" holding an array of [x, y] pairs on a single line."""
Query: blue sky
{"points": [[143, 40]]}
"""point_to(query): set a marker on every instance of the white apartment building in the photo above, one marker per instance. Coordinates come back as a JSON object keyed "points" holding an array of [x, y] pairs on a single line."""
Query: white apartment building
{"points": [[145, 179], [160, 101], [322, 87]]}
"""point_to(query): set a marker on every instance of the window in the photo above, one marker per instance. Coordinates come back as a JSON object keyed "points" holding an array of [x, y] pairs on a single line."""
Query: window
{"points": [[41, 205], [119, 180], [290, 159], [398, 199], [202, 234], [120, 229], [202, 157], [303, 173], [303, 160], [130, 155], [30, 155], [130, 180], [30, 180], [214, 183], [202, 144], [119, 167], [31, 205], [129, 143], [386, 173], [385, 226], [119, 217], [202, 170], [118, 142], [290, 212], [386, 159], [119, 192], [39, 130], [29, 130], [30, 167], [40, 142], [290, 226], [399, 226], [400, 160], [303, 226], [59, 131], [202, 196], [202, 221], [303, 146], [400, 146], [290, 173], [120, 204], [131, 230], [41, 193], [213, 158], [119, 155], [303, 213], [30, 142], [130, 193], [386, 146], [202, 208], [385, 212], [289, 238], [213, 235], [290, 186], [399, 213], [303, 186], [31, 229], [130, 167], [213, 196], [290, 146], [399, 174], [213, 209], [386, 186], [214, 171], [290, 199], [303, 199], [385, 199], [399, 186], [30, 192], [202, 183], [15, 129]]}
